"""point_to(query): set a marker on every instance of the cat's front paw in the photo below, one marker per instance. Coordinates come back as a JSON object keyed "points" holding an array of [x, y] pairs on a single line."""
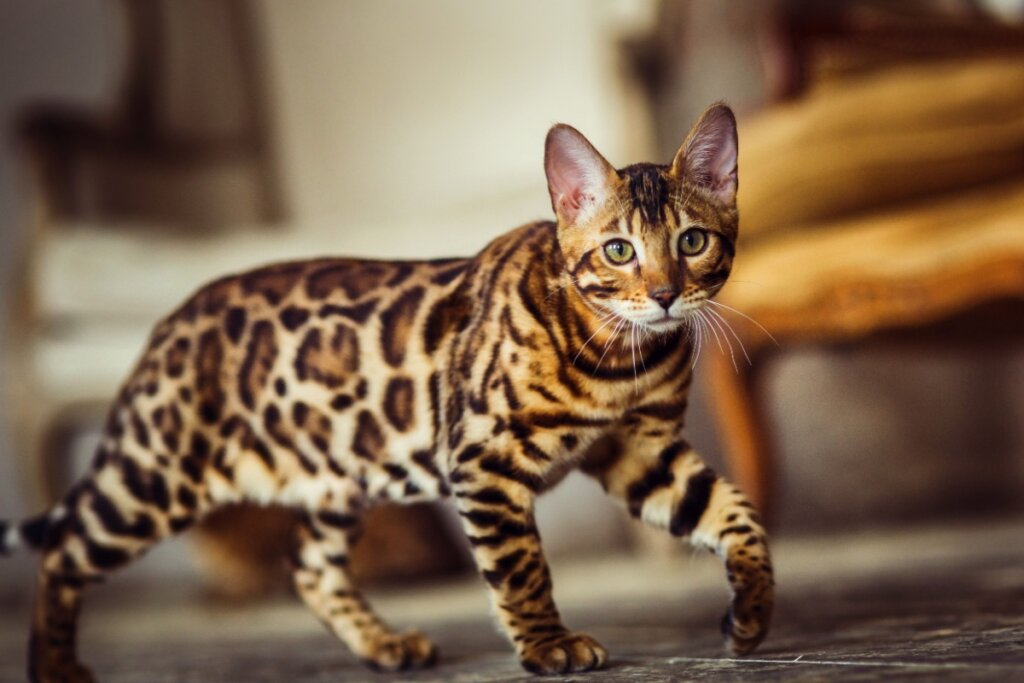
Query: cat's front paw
{"points": [[400, 651], [567, 653], [746, 623]]}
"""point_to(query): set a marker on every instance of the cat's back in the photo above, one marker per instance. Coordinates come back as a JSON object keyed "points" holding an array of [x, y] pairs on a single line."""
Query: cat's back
{"points": [[386, 297], [296, 291], [323, 332], [294, 298]]}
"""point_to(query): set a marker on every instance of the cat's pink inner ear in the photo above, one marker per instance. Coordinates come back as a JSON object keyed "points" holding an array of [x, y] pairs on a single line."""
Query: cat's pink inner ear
{"points": [[709, 155], [578, 176]]}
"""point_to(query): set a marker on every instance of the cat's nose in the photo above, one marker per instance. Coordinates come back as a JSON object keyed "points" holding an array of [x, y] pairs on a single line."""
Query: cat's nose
{"points": [[665, 296]]}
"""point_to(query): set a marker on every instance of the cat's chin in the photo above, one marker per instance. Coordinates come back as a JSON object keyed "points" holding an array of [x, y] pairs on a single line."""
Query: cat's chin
{"points": [[666, 323]]}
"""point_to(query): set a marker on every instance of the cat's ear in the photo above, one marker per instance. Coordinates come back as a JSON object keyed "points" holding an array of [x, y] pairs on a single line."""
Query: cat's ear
{"points": [[708, 157], [580, 180]]}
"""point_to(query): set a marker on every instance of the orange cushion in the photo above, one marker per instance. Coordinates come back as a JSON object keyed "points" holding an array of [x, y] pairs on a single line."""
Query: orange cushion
{"points": [[893, 268], [880, 139]]}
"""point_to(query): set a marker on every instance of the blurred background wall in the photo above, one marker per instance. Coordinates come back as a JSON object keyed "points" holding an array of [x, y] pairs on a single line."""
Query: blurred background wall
{"points": [[31, 69], [149, 145]]}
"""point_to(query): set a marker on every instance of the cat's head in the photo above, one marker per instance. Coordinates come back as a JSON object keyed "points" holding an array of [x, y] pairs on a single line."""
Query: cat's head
{"points": [[649, 243]]}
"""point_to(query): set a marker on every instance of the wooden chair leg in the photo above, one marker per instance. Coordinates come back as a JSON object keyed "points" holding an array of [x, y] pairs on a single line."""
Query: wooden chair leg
{"points": [[741, 425]]}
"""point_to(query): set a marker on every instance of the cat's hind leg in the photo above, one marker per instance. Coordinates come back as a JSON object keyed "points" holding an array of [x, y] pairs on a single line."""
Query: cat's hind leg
{"points": [[106, 521], [321, 575], [52, 645]]}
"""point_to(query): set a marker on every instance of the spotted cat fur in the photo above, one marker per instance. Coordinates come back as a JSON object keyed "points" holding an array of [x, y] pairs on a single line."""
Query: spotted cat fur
{"points": [[335, 384]]}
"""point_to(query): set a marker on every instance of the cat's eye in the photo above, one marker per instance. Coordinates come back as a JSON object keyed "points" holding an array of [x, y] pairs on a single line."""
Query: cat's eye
{"points": [[693, 242], [619, 251]]}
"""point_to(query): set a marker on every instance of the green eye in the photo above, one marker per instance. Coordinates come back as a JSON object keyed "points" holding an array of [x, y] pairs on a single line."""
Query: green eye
{"points": [[619, 251], [693, 241]]}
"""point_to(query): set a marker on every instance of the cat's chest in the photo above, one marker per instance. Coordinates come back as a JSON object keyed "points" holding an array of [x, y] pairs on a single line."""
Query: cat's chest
{"points": [[531, 400]]}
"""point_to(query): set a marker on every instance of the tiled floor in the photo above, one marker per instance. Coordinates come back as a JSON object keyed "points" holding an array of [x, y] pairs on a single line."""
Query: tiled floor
{"points": [[928, 604]]}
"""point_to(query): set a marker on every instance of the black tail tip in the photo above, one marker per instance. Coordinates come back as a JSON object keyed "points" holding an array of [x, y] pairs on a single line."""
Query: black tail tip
{"points": [[34, 531], [31, 533]]}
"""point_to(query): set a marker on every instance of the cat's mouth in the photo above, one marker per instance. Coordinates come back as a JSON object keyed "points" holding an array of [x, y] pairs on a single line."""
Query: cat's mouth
{"points": [[662, 323], [667, 321]]}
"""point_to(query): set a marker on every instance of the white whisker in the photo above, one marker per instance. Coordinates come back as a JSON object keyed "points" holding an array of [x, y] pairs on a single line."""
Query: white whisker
{"points": [[704, 337], [697, 329], [741, 313], [715, 324], [739, 341], [632, 353], [604, 323], [641, 336], [700, 313], [608, 344]]}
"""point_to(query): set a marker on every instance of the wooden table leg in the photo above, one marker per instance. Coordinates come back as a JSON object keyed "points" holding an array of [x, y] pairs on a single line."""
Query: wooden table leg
{"points": [[741, 424]]}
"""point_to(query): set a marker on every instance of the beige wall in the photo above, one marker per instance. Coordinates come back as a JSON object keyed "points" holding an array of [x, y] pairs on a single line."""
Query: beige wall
{"points": [[416, 113]]}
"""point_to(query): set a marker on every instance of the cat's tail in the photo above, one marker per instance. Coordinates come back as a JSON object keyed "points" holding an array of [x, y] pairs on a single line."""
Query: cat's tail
{"points": [[31, 533]]}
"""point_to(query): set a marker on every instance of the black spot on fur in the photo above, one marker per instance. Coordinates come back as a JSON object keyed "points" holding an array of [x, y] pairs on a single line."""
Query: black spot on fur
{"points": [[397, 325], [114, 522], [695, 501], [342, 401], [655, 478], [300, 411], [294, 317], [398, 403], [369, 439], [396, 472], [471, 452], [209, 363], [145, 486], [506, 469], [358, 313], [446, 316], [105, 557], [234, 323], [337, 520], [139, 430], [187, 498], [34, 532]]}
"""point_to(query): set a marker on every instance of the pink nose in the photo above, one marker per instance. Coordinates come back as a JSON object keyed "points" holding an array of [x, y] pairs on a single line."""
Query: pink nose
{"points": [[665, 296]]}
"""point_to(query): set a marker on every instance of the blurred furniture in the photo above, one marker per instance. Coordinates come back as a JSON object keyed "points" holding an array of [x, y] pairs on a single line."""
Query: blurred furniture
{"points": [[189, 118], [885, 203]]}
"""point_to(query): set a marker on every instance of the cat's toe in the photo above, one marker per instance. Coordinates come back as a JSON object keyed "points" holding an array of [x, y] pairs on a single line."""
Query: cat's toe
{"points": [[567, 653], [746, 623], [400, 651], [422, 651]]}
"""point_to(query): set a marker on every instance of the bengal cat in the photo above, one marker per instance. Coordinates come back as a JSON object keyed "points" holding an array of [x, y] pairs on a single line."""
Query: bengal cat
{"points": [[332, 385]]}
